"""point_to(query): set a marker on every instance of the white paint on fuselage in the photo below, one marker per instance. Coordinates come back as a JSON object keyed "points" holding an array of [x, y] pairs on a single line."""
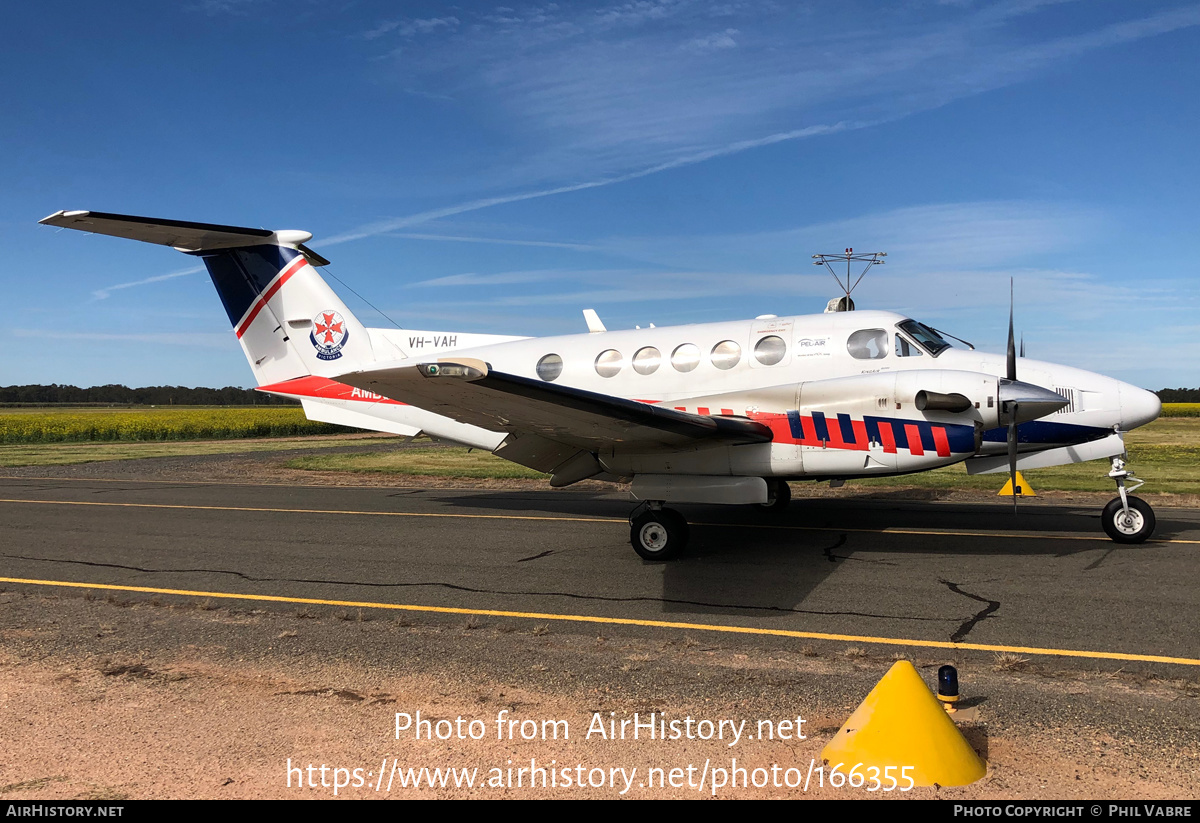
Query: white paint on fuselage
{"points": [[816, 350]]}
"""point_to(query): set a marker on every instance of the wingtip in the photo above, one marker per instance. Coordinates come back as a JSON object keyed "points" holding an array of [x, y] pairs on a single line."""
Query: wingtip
{"points": [[63, 213]]}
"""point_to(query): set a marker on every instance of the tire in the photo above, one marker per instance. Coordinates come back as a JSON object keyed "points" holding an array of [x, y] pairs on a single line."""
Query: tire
{"points": [[783, 496], [658, 535], [1135, 529]]}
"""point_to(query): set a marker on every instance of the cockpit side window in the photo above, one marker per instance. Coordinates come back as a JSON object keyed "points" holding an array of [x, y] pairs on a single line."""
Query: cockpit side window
{"points": [[926, 337], [868, 344], [905, 348]]}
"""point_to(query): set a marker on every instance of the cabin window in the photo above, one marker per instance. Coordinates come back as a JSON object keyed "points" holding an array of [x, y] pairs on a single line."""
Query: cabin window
{"points": [[549, 367], [905, 348], [647, 360], [609, 363], [685, 357], [770, 350], [726, 354], [868, 344]]}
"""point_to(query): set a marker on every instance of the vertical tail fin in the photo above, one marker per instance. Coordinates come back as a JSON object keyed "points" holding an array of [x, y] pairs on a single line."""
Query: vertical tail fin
{"points": [[289, 322]]}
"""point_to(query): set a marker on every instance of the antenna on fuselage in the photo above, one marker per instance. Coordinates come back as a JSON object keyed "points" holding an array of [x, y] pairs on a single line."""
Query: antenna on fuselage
{"points": [[844, 303]]}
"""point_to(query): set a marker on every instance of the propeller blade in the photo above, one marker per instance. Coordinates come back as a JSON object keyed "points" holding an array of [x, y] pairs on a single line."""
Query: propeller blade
{"points": [[1022, 354], [1012, 346], [1012, 456]]}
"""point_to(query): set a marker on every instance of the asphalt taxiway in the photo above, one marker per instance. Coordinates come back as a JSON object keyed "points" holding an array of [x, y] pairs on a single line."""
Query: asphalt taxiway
{"points": [[868, 570]]}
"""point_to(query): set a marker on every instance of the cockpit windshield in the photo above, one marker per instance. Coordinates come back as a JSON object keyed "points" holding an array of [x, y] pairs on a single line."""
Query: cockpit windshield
{"points": [[926, 337]]}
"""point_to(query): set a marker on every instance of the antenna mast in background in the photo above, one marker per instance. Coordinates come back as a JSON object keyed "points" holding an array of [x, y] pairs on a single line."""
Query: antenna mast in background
{"points": [[844, 303]]}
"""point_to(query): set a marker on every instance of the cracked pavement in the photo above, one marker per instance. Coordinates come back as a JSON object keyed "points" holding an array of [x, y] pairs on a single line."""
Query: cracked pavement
{"points": [[895, 570]]}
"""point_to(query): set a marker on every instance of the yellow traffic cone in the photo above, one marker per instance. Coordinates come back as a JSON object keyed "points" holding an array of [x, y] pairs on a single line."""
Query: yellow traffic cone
{"points": [[1026, 489], [901, 725]]}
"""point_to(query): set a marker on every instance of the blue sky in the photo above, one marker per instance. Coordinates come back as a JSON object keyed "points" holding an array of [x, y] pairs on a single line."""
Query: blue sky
{"points": [[478, 167]]}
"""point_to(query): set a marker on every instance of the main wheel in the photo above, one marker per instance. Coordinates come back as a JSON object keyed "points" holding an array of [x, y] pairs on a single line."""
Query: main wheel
{"points": [[658, 535], [1132, 528], [783, 496]]}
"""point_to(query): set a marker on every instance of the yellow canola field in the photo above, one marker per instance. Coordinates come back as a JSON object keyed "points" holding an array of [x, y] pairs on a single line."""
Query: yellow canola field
{"points": [[159, 424]]}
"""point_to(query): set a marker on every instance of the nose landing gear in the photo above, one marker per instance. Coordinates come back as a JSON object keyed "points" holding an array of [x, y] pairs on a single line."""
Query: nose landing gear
{"points": [[1127, 519]]}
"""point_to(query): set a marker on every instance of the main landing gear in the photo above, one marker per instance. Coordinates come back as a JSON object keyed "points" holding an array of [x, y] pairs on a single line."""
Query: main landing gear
{"points": [[781, 496], [657, 533], [1127, 519]]}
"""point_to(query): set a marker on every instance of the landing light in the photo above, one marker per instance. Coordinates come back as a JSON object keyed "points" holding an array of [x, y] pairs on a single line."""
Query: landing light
{"points": [[448, 370]]}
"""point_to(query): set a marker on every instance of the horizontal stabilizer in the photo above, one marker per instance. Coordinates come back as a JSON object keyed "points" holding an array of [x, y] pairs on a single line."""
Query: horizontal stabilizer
{"points": [[180, 234]]}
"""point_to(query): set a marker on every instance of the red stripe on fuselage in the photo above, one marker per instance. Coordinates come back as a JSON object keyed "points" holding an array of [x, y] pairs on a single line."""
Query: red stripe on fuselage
{"points": [[887, 437], [294, 267], [940, 441], [810, 433], [913, 433], [860, 435], [324, 388]]}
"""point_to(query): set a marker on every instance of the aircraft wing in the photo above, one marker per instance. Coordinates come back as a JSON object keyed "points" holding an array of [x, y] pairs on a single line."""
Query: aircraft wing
{"points": [[468, 391]]}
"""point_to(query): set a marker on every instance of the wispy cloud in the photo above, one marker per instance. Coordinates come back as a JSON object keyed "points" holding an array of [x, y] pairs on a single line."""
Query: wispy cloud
{"points": [[985, 235], [597, 97], [712, 42], [106, 292], [407, 27], [391, 225], [506, 278], [210, 340], [454, 238], [214, 8]]}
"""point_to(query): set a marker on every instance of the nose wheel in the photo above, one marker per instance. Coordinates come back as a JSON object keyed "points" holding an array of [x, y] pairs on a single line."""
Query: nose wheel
{"points": [[1127, 519], [656, 533]]}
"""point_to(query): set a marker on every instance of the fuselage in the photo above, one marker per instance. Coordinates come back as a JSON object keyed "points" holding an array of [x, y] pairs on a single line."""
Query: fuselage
{"points": [[837, 388]]}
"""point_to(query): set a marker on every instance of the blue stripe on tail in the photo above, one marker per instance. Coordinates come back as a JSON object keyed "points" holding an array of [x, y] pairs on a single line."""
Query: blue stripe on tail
{"points": [[242, 274]]}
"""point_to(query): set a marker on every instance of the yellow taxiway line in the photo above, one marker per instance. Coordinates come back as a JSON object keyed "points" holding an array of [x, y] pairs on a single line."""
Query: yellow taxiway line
{"points": [[622, 621], [561, 519]]}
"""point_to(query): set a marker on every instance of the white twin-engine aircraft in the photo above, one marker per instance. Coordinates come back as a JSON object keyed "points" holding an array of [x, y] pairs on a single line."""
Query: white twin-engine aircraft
{"points": [[709, 413]]}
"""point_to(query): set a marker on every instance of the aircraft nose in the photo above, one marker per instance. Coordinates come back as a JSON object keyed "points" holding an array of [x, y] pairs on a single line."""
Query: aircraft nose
{"points": [[1138, 407]]}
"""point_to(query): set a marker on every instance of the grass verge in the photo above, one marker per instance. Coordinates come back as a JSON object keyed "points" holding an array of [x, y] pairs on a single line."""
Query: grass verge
{"points": [[62, 454], [437, 462]]}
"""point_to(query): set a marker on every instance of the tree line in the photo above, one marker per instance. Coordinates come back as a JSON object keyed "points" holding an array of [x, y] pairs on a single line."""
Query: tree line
{"points": [[116, 395]]}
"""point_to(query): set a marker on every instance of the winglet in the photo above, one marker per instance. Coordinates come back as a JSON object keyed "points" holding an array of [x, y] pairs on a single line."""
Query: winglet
{"points": [[593, 321]]}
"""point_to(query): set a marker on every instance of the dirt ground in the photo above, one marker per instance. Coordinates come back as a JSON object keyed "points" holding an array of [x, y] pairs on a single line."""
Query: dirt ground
{"points": [[124, 698]]}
